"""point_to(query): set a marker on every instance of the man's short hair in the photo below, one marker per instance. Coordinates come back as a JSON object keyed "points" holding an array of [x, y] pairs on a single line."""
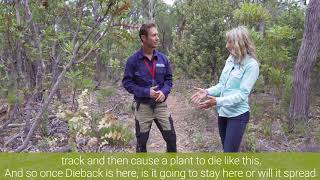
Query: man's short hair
{"points": [[144, 29]]}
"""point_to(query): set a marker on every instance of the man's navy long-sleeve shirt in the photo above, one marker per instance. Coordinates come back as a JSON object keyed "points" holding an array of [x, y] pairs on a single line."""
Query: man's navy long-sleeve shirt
{"points": [[137, 79]]}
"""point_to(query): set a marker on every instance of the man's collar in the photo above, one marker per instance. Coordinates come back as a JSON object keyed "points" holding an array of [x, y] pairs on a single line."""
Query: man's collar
{"points": [[141, 54]]}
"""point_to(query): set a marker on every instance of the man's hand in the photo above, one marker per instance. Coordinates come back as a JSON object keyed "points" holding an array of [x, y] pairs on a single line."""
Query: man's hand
{"points": [[208, 103], [161, 96], [153, 93], [199, 95]]}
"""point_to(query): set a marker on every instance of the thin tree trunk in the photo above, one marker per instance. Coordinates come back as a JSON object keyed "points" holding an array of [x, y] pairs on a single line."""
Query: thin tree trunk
{"points": [[29, 69], [300, 102], [182, 27], [151, 10], [213, 65], [19, 46], [98, 65], [98, 71], [95, 11], [37, 45], [11, 55], [55, 66]]}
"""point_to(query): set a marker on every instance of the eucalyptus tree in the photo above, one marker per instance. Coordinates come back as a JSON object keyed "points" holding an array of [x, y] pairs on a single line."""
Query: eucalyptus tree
{"points": [[308, 53]]}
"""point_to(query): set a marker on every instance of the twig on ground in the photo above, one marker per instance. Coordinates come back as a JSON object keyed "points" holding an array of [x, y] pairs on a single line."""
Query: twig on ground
{"points": [[13, 138]]}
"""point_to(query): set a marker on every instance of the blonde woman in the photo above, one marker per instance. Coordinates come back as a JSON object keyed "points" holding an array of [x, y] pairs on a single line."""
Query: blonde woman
{"points": [[230, 95]]}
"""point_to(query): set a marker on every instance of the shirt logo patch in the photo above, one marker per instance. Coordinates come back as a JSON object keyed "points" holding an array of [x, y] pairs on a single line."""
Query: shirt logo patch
{"points": [[160, 65]]}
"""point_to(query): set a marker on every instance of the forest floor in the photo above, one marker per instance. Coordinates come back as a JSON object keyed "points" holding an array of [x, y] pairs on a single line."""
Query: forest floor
{"points": [[192, 134], [267, 131], [196, 129]]}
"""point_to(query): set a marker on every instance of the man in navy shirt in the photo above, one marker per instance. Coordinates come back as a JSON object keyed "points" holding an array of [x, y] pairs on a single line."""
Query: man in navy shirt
{"points": [[148, 77]]}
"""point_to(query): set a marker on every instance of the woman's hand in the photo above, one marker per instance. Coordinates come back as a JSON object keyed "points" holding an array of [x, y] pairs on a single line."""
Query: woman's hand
{"points": [[211, 101], [199, 95]]}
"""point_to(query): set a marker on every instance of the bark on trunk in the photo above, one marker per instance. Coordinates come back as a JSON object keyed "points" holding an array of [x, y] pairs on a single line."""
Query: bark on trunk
{"points": [[19, 46], [55, 66], [300, 102]]}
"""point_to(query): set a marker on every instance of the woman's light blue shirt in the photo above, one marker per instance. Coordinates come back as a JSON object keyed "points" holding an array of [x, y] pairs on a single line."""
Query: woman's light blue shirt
{"points": [[235, 83]]}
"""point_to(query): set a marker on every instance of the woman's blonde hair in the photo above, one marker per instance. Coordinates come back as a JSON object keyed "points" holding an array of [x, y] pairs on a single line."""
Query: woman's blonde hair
{"points": [[242, 43]]}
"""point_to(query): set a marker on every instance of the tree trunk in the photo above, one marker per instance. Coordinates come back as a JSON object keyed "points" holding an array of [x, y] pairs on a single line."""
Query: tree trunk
{"points": [[182, 27], [98, 71], [98, 66], [300, 102], [19, 45], [29, 69], [55, 66], [36, 42], [149, 7], [213, 65], [151, 10]]}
